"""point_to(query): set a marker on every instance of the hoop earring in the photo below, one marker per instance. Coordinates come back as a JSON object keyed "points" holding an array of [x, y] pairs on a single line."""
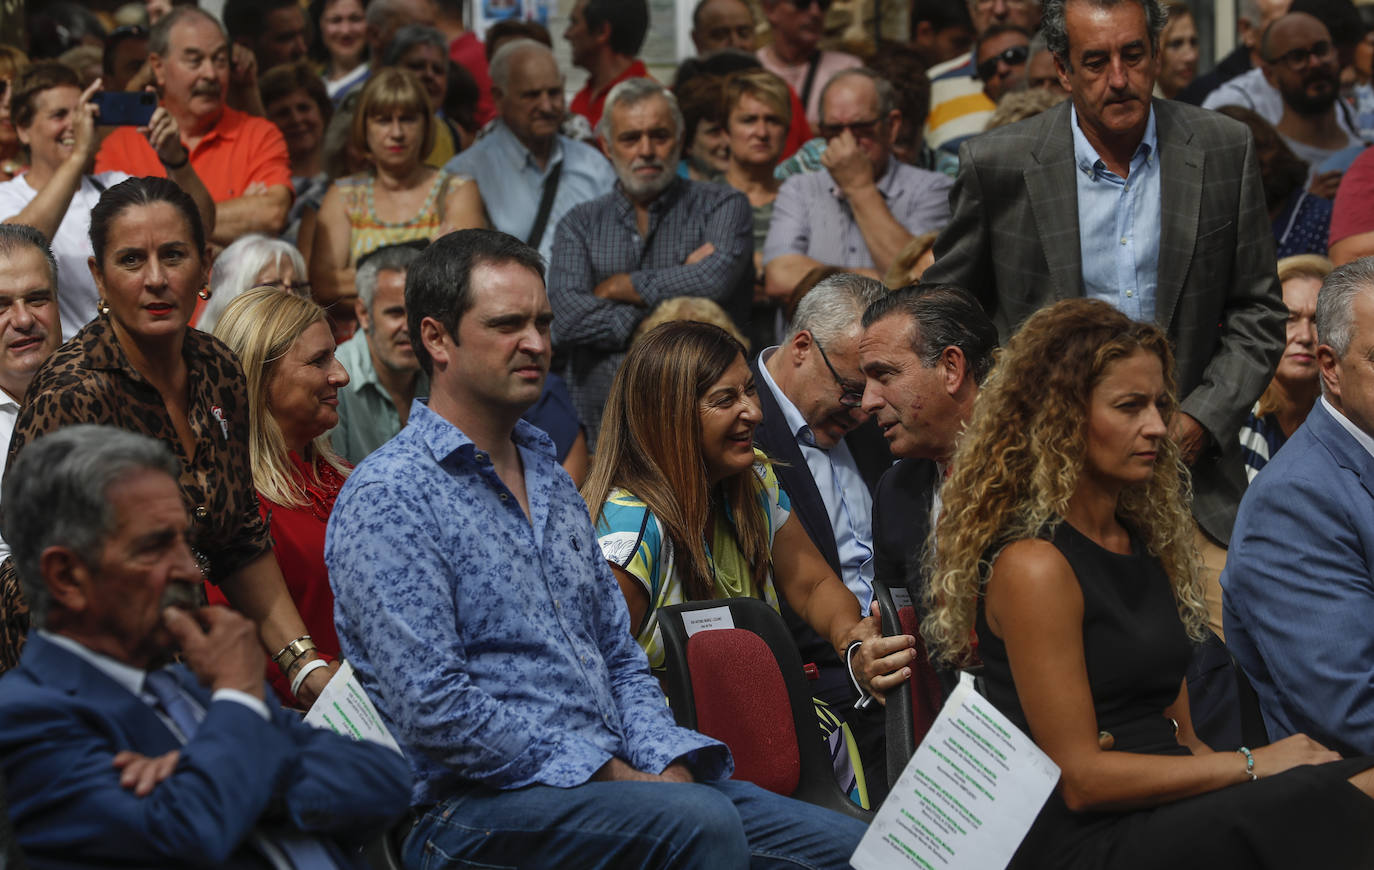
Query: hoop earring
{"points": [[102, 306], [204, 292]]}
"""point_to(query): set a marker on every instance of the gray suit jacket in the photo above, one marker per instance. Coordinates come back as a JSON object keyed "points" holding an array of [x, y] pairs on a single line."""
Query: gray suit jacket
{"points": [[1013, 242]]}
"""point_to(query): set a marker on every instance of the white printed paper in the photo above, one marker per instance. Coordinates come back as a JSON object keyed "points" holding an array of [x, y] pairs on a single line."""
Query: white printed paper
{"points": [[966, 798], [707, 619], [344, 708]]}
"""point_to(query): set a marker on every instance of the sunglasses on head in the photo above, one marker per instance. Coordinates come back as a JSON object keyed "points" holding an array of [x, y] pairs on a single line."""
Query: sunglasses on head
{"points": [[1014, 56]]}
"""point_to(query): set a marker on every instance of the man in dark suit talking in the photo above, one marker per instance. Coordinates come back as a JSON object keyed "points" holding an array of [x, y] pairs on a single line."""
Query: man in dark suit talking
{"points": [[1153, 206]]}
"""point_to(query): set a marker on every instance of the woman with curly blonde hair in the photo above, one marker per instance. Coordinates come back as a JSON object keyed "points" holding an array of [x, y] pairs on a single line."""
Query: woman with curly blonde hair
{"points": [[1064, 559]]}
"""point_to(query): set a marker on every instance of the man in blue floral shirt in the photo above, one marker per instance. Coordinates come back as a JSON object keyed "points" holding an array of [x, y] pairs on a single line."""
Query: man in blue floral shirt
{"points": [[472, 599]]}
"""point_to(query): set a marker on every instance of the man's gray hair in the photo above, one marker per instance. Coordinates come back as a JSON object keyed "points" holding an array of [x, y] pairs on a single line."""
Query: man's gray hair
{"points": [[160, 36], [500, 67], [392, 258], [13, 237], [410, 36], [632, 92], [835, 307], [1336, 303], [1056, 30], [57, 494], [887, 95]]}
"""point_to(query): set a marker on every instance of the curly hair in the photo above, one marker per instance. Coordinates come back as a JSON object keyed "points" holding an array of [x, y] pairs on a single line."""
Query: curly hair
{"points": [[1019, 460]]}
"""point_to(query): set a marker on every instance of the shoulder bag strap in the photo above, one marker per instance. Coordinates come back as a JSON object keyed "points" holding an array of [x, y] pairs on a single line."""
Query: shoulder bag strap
{"points": [[541, 220]]}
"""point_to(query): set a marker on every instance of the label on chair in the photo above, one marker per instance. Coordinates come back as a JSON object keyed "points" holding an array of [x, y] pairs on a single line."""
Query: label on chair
{"points": [[967, 797], [707, 619], [900, 597]]}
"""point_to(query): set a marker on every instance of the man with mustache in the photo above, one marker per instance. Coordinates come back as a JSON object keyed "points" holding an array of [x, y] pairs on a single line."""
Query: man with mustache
{"points": [[242, 159], [1300, 62], [30, 323], [654, 237], [1104, 196], [110, 755], [543, 173]]}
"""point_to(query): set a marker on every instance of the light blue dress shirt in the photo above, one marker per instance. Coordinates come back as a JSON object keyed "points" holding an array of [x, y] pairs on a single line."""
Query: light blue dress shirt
{"points": [[1119, 225], [512, 183], [497, 646], [848, 502]]}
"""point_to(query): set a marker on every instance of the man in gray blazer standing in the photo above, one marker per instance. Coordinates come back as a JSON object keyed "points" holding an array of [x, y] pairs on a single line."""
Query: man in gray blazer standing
{"points": [[1153, 206]]}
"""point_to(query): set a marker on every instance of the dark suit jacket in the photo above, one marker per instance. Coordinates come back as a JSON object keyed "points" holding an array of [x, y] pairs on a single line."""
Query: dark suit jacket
{"points": [[62, 720], [901, 524], [872, 457], [1013, 241]]}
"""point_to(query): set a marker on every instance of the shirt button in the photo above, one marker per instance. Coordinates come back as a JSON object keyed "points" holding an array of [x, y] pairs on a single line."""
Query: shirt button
{"points": [[1128, 188], [505, 497], [558, 605], [1123, 240], [481, 457], [1129, 294], [202, 512]]}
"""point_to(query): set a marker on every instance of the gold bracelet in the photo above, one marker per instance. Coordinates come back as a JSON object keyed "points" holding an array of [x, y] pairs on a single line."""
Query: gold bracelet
{"points": [[297, 648]]}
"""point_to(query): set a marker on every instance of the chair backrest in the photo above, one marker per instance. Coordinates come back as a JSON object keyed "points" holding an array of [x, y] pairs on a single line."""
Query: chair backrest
{"points": [[751, 694], [913, 706], [737, 685]]}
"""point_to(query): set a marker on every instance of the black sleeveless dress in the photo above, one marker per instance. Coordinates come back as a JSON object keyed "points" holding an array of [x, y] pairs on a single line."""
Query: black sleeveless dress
{"points": [[1136, 651]]}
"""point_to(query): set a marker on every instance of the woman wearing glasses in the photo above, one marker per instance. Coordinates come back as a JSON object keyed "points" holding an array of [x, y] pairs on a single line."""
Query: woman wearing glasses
{"points": [[250, 262], [687, 510]]}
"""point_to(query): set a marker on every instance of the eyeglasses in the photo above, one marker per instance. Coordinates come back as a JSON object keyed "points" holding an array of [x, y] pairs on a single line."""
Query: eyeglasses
{"points": [[849, 397], [860, 129], [299, 288], [1300, 57], [803, 5], [1014, 56]]}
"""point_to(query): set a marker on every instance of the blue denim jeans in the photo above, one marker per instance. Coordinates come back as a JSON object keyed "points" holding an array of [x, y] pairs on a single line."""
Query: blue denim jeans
{"points": [[630, 824]]}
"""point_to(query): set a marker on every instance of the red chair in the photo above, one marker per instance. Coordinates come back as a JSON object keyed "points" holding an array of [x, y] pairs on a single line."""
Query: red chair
{"points": [[741, 681], [912, 706]]}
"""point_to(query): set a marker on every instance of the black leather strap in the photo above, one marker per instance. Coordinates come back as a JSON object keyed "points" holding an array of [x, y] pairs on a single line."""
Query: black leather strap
{"points": [[541, 220]]}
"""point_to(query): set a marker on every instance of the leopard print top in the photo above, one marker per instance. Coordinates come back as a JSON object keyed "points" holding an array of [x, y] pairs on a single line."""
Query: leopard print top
{"points": [[90, 380]]}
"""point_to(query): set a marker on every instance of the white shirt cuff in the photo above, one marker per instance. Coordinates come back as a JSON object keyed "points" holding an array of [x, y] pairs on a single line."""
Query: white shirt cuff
{"points": [[255, 704]]}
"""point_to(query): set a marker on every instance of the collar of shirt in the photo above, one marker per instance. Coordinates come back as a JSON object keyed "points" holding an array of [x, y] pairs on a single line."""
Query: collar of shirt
{"points": [[127, 676], [796, 423], [513, 150], [356, 355], [1087, 159], [661, 203], [445, 439], [227, 128], [102, 351], [8, 403], [886, 183], [1362, 437]]}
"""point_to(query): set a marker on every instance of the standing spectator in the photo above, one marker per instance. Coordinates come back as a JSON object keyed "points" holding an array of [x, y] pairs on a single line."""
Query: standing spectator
{"points": [[604, 279], [57, 122], [1051, 208], [399, 198], [523, 147], [1002, 51], [1252, 17], [466, 50], [726, 61], [1177, 52], [795, 55], [341, 44], [605, 37], [862, 207], [241, 159], [125, 56], [705, 143], [276, 31], [384, 374], [941, 30], [386, 17], [297, 101], [251, 262], [1300, 63], [1040, 71], [284, 344], [30, 324], [904, 71], [718, 24], [1301, 219], [421, 52], [1289, 398], [12, 62]]}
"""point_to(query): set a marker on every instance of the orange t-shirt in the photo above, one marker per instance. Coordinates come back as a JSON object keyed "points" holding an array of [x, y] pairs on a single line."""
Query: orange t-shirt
{"points": [[238, 151]]}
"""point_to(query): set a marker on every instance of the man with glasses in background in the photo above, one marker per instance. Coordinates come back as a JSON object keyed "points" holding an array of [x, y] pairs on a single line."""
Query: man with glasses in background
{"points": [[794, 54], [862, 207], [1002, 52], [810, 389]]}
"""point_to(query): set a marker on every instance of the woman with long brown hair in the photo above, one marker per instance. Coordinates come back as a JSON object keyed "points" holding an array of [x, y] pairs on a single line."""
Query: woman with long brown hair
{"points": [[1064, 552]]}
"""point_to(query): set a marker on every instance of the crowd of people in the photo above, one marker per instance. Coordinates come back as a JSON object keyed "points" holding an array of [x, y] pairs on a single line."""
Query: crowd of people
{"points": [[339, 333]]}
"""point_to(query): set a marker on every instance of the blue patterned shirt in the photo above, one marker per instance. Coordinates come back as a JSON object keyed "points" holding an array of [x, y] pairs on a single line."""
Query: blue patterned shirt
{"points": [[497, 648], [1119, 222]]}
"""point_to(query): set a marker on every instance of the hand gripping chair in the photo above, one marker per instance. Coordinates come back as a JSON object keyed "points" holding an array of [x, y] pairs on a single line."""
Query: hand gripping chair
{"points": [[734, 673], [912, 706]]}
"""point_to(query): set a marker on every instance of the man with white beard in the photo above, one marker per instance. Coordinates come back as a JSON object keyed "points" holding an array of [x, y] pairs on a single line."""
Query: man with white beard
{"points": [[653, 238]]}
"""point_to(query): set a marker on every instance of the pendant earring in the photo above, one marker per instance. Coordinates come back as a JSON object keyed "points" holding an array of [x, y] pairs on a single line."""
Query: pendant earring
{"points": [[204, 292], [102, 306]]}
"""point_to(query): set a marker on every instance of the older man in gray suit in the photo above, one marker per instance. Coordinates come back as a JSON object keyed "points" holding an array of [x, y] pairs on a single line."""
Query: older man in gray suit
{"points": [[1151, 205]]}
